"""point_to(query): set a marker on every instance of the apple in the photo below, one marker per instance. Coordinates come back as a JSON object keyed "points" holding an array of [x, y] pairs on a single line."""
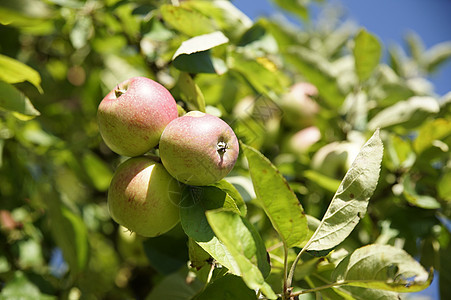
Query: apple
{"points": [[335, 159], [303, 139], [132, 117], [299, 109], [198, 148], [143, 197]]}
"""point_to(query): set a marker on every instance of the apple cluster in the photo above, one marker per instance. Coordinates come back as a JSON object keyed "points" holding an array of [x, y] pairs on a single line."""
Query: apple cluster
{"points": [[194, 149]]}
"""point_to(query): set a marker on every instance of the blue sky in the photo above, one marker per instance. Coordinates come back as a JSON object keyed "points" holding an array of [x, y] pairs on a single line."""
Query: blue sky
{"points": [[390, 20]]}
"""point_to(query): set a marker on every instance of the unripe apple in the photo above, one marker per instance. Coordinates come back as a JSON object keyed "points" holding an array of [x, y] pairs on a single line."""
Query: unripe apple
{"points": [[143, 197], [335, 159], [299, 109], [198, 148], [132, 117]]}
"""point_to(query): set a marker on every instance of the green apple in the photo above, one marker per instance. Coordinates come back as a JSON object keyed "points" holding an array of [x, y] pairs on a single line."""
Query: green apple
{"points": [[143, 197], [198, 148], [335, 159], [299, 109], [132, 117]]}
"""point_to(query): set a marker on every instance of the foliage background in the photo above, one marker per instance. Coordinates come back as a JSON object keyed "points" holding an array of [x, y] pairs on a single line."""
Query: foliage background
{"points": [[429, 20], [57, 239]]}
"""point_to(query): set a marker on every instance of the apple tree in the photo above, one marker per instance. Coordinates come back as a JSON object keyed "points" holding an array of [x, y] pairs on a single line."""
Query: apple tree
{"points": [[340, 189]]}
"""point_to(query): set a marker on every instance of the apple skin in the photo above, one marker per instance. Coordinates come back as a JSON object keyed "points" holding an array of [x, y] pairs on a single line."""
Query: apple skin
{"points": [[299, 109], [132, 117], [143, 197], [335, 159], [198, 148], [301, 141]]}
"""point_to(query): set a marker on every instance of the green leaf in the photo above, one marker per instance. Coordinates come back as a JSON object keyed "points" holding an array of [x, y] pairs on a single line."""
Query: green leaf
{"points": [[277, 198], [19, 287], [232, 21], [350, 202], [13, 100], [98, 171], [412, 196], [238, 233], [430, 132], [227, 288], [190, 92], [394, 92], [77, 233], [416, 46], [200, 62], [355, 109], [28, 15], [244, 186], [68, 230], [397, 60], [198, 257], [201, 43], [317, 71], [298, 8], [81, 32], [167, 253], [409, 113], [437, 56], [444, 186], [13, 71], [246, 246], [257, 42], [187, 20], [400, 152], [336, 40], [263, 79], [328, 293], [359, 293], [282, 33], [306, 268], [195, 202], [323, 181], [367, 54], [250, 130], [231, 190], [175, 287], [382, 267]]}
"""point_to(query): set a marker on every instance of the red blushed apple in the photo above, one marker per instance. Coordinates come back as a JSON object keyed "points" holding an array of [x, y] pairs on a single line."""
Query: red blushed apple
{"points": [[132, 117], [143, 197], [198, 148], [302, 140]]}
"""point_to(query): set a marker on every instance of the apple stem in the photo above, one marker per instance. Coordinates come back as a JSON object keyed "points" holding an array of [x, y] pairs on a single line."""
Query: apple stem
{"points": [[118, 92], [222, 147]]}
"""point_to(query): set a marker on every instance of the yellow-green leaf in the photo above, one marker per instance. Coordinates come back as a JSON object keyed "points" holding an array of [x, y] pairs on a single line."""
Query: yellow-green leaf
{"points": [[12, 99], [367, 53], [276, 198], [350, 202], [13, 71], [245, 245], [382, 267]]}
